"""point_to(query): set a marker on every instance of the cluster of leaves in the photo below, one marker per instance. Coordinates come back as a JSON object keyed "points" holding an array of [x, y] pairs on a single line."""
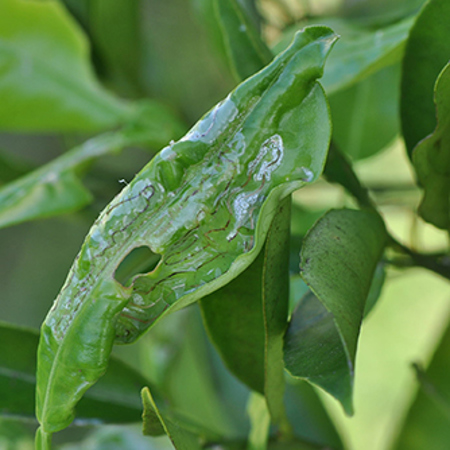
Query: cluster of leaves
{"points": [[57, 61]]}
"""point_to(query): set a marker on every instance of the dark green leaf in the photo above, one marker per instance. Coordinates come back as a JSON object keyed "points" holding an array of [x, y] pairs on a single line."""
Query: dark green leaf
{"points": [[55, 188], [309, 419], [376, 286], [338, 260], [427, 424], [46, 81], [235, 36], [245, 50], [114, 28], [426, 53], [431, 160], [154, 421], [365, 116], [114, 399], [256, 307]]}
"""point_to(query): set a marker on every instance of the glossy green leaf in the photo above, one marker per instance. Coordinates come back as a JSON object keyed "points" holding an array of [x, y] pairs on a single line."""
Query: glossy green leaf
{"points": [[235, 36], [205, 203], [115, 399], [55, 188], [426, 53], [360, 51], [256, 305], [365, 116], [338, 261], [245, 50], [431, 160], [46, 83], [155, 421], [428, 420]]}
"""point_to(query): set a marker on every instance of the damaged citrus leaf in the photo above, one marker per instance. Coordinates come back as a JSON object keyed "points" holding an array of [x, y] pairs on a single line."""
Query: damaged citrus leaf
{"points": [[204, 203]]}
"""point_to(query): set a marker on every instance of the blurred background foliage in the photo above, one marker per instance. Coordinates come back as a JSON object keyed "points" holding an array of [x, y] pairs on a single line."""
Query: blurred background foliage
{"points": [[163, 50]]}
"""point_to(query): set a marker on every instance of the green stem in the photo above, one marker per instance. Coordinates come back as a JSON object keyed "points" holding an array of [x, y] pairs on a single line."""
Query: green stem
{"points": [[43, 440]]}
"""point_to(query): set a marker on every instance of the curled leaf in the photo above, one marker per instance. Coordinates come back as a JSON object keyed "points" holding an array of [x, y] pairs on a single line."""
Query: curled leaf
{"points": [[204, 203]]}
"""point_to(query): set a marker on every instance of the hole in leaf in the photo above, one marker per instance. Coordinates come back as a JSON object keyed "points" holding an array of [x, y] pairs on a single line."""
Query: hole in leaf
{"points": [[140, 260]]}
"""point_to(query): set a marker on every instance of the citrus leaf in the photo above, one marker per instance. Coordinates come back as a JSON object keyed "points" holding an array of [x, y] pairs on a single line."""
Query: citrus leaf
{"points": [[431, 159], [338, 261], [205, 203], [426, 53], [245, 50], [235, 36], [155, 422], [365, 115], [46, 82], [360, 51]]}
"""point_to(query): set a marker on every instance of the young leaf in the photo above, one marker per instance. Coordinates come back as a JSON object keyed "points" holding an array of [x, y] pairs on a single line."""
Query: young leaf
{"points": [[338, 260], [431, 160], [427, 51], [256, 306], [55, 188], [427, 422], [204, 203], [46, 80], [114, 399]]}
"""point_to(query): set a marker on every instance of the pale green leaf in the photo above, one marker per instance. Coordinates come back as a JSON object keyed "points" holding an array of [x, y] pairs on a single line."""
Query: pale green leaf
{"points": [[260, 422], [55, 188], [46, 82], [427, 424]]}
